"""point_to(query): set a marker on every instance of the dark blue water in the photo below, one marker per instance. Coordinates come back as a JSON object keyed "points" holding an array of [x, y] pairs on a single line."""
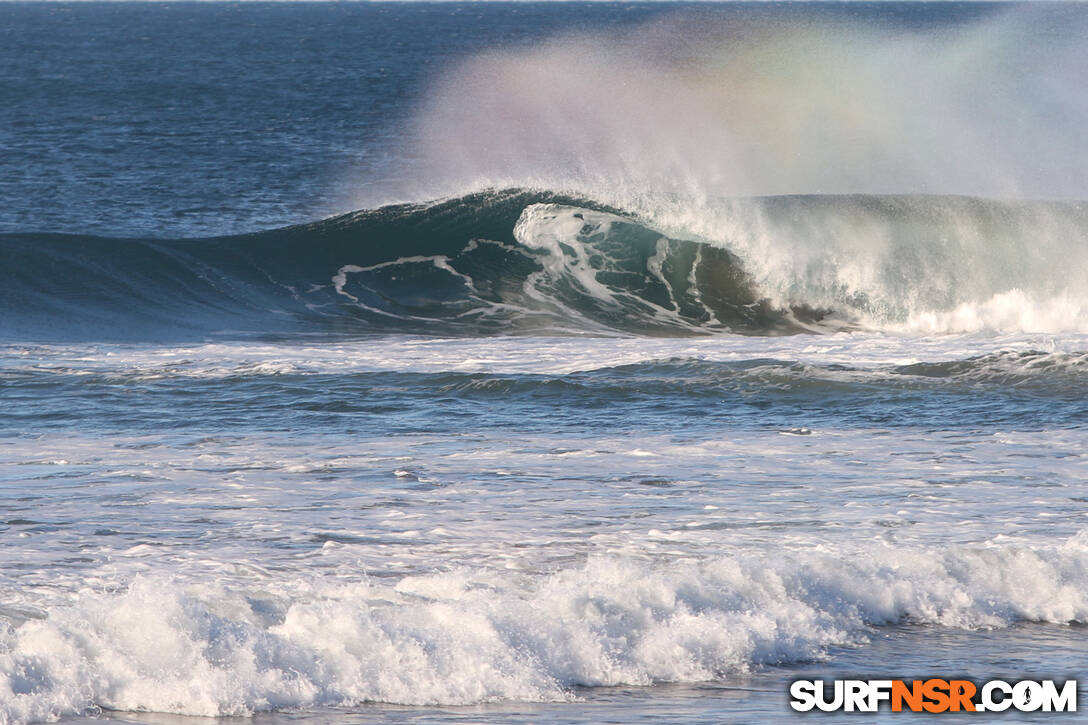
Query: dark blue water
{"points": [[184, 119]]}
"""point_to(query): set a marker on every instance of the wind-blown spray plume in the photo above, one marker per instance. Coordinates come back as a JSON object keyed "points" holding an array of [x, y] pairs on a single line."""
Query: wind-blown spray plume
{"points": [[708, 107], [688, 122]]}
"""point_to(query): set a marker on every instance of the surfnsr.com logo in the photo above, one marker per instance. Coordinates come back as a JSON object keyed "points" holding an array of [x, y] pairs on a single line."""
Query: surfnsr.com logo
{"points": [[933, 695]]}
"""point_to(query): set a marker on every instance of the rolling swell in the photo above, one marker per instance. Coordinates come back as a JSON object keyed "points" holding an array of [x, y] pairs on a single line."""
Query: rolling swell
{"points": [[488, 263]]}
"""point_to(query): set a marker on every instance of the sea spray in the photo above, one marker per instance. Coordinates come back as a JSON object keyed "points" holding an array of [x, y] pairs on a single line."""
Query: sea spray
{"points": [[707, 105]]}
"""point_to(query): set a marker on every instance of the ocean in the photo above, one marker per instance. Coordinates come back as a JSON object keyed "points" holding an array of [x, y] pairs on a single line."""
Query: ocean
{"points": [[538, 362]]}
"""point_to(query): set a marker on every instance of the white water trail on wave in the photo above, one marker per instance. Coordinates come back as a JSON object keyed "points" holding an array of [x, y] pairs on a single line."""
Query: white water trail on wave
{"points": [[683, 120]]}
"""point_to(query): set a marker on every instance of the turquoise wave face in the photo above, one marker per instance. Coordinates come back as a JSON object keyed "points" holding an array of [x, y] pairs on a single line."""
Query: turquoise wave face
{"points": [[488, 263]]}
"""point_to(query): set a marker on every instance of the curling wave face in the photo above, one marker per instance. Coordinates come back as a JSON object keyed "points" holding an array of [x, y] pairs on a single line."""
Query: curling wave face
{"points": [[518, 261]]}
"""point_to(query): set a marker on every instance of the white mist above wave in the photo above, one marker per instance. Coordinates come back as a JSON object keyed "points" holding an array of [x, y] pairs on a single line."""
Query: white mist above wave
{"points": [[469, 636], [689, 122], [709, 105]]}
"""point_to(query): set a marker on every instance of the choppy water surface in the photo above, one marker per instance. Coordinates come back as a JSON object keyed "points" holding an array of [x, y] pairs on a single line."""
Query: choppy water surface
{"points": [[229, 527]]}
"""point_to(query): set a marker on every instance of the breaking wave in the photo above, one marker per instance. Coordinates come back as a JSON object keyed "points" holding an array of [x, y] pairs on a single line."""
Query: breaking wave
{"points": [[472, 636], [518, 261]]}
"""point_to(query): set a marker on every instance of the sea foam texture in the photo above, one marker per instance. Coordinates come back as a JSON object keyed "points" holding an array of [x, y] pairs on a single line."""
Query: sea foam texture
{"points": [[473, 636]]}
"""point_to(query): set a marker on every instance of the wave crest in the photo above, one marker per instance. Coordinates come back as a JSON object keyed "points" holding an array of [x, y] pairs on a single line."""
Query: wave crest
{"points": [[518, 261]]}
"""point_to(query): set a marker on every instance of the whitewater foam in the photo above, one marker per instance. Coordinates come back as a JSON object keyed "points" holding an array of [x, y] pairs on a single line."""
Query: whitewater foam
{"points": [[861, 351], [1012, 310], [470, 636]]}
